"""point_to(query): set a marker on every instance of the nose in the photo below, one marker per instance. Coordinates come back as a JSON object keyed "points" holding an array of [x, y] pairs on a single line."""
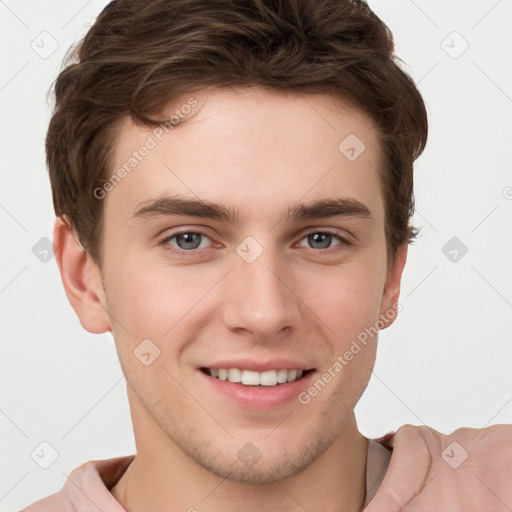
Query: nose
{"points": [[259, 298]]}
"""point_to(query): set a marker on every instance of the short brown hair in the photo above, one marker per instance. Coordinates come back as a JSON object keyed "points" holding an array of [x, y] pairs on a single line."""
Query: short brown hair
{"points": [[140, 54]]}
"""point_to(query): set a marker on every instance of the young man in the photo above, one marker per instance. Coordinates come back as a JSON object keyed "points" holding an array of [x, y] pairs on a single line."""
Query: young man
{"points": [[233, 186]]}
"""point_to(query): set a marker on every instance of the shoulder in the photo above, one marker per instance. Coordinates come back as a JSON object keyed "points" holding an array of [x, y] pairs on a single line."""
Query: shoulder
{"points": [[87, 488], [468, 469], [58, 502], [468, 448], [470, 439]]}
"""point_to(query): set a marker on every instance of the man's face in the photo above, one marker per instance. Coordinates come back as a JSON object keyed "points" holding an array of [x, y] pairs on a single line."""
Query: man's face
{"points": [[265, 291]]}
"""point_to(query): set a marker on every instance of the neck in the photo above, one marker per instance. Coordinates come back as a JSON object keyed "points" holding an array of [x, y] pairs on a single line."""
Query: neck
{"points": [[162, 477]]}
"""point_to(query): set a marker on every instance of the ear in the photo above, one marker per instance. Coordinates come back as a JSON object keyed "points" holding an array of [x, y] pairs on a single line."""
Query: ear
{"points": [[81, 278], [389, 304]]}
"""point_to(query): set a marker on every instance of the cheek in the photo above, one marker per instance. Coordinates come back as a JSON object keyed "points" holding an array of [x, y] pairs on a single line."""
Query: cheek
{"points": [[349, 307], [148, 308], [153, 300], [347, 300]]}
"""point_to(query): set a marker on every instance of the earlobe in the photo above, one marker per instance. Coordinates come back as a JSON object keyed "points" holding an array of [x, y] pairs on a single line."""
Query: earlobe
{"points": [[391, 293], [81, 279]]}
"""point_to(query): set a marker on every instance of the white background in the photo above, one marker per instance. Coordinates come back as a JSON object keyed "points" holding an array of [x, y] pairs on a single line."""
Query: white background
{"points": [[444, 363]]}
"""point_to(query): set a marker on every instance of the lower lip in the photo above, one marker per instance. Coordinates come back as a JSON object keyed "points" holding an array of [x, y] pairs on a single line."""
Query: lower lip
{"points": [[259, 397]]}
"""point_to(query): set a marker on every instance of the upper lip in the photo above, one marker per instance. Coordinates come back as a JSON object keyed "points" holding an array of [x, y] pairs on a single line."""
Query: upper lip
{"points": [[260, 366]]}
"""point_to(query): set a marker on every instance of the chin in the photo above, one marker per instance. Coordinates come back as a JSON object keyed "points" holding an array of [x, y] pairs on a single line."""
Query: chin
{"points": [[261, 463]]}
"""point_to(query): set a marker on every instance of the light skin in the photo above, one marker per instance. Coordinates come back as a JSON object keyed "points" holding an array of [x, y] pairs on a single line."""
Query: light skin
{"points": [[259, 153]]}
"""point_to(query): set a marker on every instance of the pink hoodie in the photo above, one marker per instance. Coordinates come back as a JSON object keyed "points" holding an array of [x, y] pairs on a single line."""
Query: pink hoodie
{"points": [[415, 469]]}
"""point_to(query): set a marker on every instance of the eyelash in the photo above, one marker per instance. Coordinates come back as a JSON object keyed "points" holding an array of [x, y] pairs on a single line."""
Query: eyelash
{"points": [[192, 252]]}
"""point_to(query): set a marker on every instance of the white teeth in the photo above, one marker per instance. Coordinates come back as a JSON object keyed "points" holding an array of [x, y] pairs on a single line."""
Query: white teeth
{"points": [[268, 378], [292, 375], [234, 375], [252, 378], [282, 376]]}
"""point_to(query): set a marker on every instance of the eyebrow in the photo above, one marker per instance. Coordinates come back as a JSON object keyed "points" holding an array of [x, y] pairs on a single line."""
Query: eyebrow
{"points": [[324, 208]]}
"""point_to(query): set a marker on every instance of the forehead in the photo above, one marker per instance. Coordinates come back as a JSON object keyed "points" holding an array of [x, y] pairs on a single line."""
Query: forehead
{"points": [[242, 147]]}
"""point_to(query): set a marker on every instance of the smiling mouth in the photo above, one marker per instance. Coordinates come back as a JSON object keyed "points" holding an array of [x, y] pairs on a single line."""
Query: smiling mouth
{"points": [[252, 378]]}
